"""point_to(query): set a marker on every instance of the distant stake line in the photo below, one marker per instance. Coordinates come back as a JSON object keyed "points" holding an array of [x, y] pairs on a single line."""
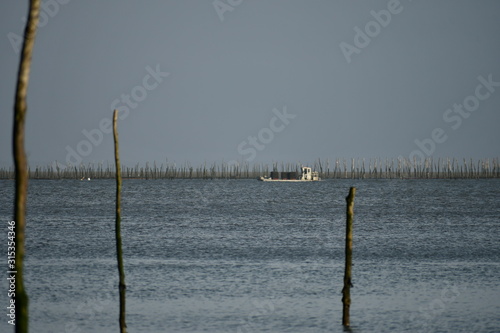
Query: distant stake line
{"points": [[21, 165], [340, 168], [119, 254]]}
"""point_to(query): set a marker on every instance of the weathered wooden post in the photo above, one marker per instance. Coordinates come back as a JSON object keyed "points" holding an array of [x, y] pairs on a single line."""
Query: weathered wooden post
{"points": [[346, 291], [121, 285], [21, 169]]}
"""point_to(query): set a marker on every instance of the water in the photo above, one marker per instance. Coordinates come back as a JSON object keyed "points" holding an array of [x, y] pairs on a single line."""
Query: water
{"points": [[248, 256]]}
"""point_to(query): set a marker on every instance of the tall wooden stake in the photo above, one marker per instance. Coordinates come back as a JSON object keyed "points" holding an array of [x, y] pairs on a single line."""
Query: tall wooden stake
{"points": [[346, 291], [121, 285], [21, 166]]}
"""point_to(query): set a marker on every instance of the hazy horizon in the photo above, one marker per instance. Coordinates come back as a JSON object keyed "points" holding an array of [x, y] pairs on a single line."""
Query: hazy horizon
{"points": [[254, 81]]}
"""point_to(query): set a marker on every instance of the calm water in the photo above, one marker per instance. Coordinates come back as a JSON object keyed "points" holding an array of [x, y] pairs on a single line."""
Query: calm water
{"points": [[247, 256]]}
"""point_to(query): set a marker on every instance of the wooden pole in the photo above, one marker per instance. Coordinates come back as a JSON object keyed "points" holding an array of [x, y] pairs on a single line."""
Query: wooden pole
{"points": [[121, 285], [346, 291], [21, 167]]}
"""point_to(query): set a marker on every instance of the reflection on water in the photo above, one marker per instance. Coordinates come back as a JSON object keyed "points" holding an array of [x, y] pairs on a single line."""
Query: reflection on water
{"points": [[248, 256]]}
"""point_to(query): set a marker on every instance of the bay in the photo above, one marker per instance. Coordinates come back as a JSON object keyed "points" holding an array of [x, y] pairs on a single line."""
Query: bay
{"points": [[248, 256]]}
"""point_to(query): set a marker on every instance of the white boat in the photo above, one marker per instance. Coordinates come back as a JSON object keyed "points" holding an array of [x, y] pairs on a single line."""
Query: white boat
{"points": [[307, 175]]}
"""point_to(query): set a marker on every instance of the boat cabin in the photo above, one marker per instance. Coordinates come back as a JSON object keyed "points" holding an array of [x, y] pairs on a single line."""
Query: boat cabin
{"points": [[308, 174]]}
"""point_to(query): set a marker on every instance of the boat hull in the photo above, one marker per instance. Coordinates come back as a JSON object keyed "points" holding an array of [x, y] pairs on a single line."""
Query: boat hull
{"points": [[262, 179]]}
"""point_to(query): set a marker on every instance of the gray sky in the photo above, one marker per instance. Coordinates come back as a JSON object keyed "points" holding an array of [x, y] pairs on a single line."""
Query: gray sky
{"points": [[255, 80]]}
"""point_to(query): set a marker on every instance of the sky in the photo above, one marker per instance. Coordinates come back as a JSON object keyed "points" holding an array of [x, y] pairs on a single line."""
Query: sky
{"points": [[255, 81]]}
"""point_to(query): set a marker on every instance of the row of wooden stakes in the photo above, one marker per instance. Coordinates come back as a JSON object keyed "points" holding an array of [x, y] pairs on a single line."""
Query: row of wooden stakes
{"points": [[375, 168]]}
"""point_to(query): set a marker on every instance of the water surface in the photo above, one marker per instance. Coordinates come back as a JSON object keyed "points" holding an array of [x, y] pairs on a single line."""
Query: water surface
{"points": [[248, 256]]}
